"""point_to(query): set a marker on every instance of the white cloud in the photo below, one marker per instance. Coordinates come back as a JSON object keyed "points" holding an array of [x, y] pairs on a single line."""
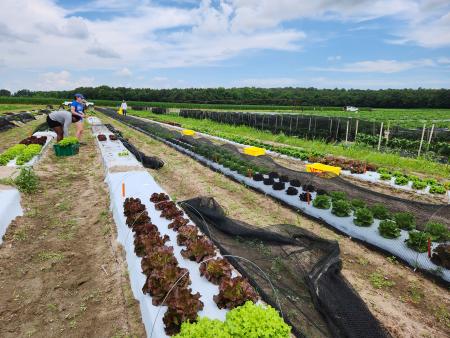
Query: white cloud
{"points": [[444, 60], [334, 58], [378, 66], [103, 52], [62, 81], [125, 72]]}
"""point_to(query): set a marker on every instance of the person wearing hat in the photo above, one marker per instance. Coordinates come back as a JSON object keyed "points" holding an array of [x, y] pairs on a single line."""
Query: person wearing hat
{"points": [[77, 109]]}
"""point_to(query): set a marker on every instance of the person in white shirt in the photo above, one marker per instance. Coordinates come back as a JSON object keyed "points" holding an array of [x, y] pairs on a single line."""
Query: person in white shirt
{"points": [[124, 107]]}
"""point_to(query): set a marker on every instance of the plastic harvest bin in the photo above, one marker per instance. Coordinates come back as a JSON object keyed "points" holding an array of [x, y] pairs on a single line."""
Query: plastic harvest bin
{"points": [[320, 168], [70, 150], [254, 151]]}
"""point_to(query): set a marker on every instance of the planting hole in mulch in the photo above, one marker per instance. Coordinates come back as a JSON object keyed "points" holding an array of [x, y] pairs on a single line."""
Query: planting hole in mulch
{"points": [[292, 191], [268, 181], [278, 186], [258, 177]]}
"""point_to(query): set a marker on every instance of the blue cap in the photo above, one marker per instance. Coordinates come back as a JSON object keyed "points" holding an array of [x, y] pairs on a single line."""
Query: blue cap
{"points": [[80, 96]]}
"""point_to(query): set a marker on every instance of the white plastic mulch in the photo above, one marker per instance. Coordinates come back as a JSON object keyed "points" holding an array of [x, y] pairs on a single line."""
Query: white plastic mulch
{"points": [[140, 184], [9, 209]]}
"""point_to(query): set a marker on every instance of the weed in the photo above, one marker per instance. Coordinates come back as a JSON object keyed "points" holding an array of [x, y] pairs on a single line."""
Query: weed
{"points": [[27, 181], [50, 255], [20, 235], [442, 315], [63, 206], [379, 281], [73, 324], [83, 307], [52, 307], [363, 261], [415, 293], [392, 259], [106, 230]]}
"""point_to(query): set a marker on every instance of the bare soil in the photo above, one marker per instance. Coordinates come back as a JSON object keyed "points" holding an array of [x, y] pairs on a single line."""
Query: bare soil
{"points": [[62, 274], [404, 301]]}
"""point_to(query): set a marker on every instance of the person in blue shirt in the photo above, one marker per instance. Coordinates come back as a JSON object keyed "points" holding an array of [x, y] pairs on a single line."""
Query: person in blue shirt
{"points": [[77, 109]]}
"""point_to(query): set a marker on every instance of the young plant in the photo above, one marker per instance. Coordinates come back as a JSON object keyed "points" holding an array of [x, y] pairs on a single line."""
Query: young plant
{"points": [[198, 249], [401, 180], [68, 141], [216, 269], [405, 220], [337, 195], [380, 211], [204, 327], [278, 186], [254, 321], [305, 197], [438, 231], [291, 191], [145, 243], [441, 256], [437, 189], [322, 202], [183, 307], [178, 222], [385, 177], [158, 258], [186, 233], [160, 281], [101, 137], [258, 177], [268, 181], [388, 229], [296, 183], [156, 198], [358, 204], [234, 292], [363, 217], [419, 185], [418, 241], [341, 208]]}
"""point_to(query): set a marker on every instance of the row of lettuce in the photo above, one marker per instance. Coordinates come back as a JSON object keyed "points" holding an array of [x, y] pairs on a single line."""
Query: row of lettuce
{"points": [[354, 166], [168, 284], [24, 151]]}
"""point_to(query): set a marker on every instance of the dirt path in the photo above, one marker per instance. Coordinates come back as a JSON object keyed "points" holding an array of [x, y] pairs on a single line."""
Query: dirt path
{"points": [[408, 304], [61, 272]]}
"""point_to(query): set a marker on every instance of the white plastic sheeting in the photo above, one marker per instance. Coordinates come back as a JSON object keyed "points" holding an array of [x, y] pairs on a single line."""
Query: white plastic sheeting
{"points": [[140, 184], [9, 209]]}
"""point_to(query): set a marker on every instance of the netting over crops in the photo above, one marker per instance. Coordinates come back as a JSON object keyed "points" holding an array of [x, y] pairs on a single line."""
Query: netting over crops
{"points": [[335, 129], [422, 211], [313, 296], [6, 120]]}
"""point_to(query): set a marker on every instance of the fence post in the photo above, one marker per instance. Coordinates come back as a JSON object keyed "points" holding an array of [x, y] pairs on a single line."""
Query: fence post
{"points": [[429, 139], [387, 132], [379, 137], [290, 125], [421, 140], [346, 133], [356, 129]]}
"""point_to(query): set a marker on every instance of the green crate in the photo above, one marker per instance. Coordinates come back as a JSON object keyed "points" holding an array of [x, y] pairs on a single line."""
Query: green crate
{"points": [[66, 151]]}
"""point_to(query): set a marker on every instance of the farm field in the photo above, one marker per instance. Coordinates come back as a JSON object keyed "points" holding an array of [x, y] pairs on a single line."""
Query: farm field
{"points": [[392, 161], [74, 225], [7, 108], [409, 118], [396, 305]]}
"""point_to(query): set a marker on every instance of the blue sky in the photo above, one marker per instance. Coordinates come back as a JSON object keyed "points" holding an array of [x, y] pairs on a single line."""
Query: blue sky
{"points": [[50, 44]]}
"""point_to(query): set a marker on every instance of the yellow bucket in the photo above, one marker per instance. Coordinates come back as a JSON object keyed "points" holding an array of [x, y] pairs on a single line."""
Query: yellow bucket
{"points": [[188, 132], [254, 151], [320, 168]]}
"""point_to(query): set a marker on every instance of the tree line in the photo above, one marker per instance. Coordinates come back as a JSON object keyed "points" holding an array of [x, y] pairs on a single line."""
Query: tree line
{"points": [[289, 96]]}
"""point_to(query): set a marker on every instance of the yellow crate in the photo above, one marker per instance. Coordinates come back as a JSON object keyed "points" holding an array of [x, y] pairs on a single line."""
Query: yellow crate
{"points": [[188, 132], [254, 151], [320, 168]]}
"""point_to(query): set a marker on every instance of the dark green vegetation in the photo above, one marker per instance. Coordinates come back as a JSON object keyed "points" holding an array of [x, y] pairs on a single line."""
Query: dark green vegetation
{"points": [[392, 98]]}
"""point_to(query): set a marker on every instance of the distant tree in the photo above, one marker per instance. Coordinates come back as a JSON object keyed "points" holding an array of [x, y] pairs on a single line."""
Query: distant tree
{"points": [[23, 92], [5, 92]]}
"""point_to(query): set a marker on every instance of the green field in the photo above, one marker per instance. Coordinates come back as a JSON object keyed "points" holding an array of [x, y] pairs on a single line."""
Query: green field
{"points": [[6, 108], [358, 152], [413, 118]]}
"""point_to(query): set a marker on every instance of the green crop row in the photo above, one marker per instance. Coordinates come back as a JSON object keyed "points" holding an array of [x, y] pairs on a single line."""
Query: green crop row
{"points": [[21, 153]]}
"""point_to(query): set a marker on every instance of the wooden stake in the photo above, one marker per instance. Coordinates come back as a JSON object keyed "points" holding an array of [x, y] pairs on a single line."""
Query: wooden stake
{"points": [[123, 189], [308, 197], [421, 140], [346, 133], [429, 248], [379, 137], [387, 132], [356, 129]]}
